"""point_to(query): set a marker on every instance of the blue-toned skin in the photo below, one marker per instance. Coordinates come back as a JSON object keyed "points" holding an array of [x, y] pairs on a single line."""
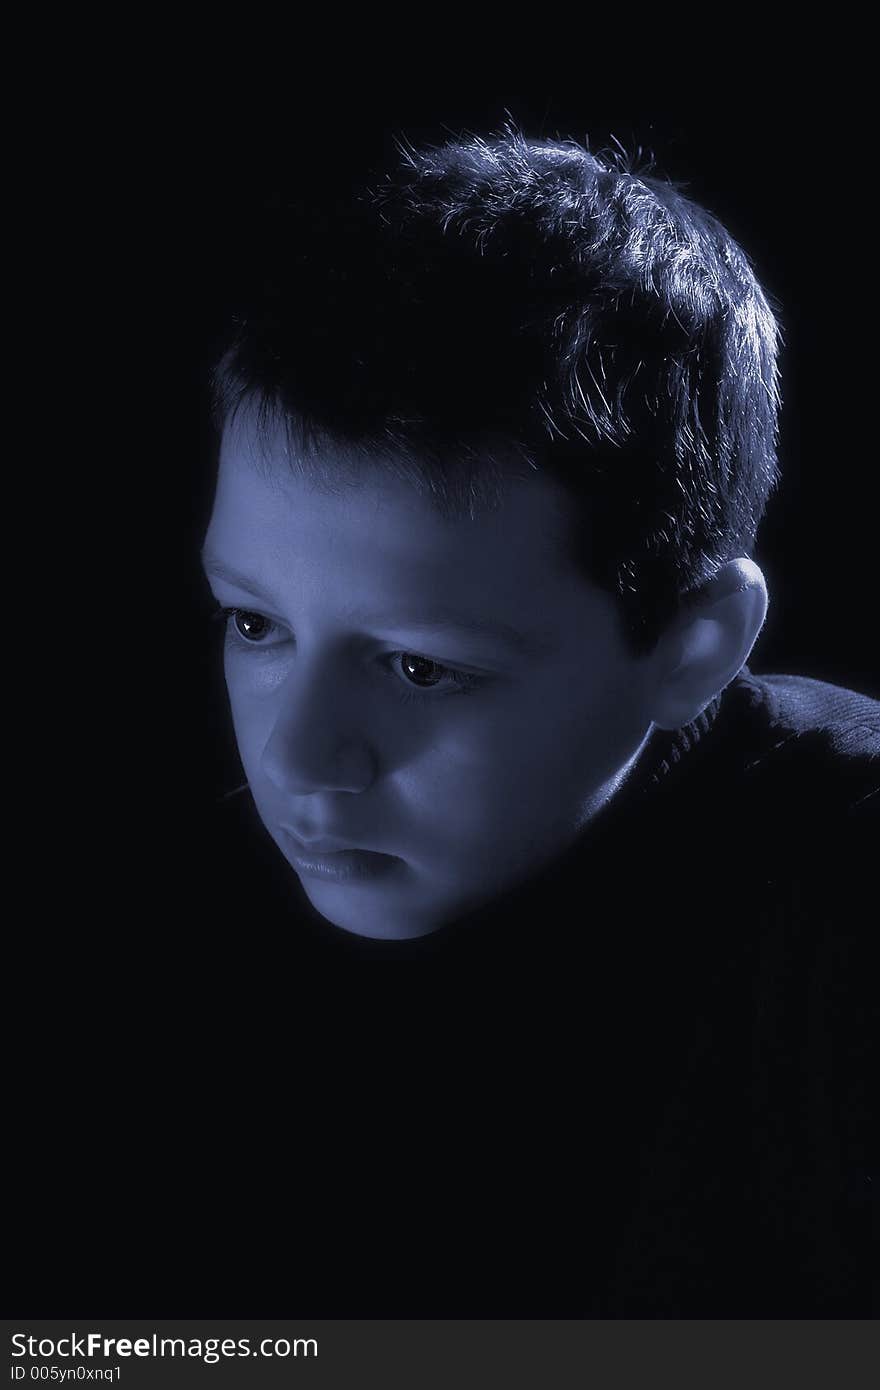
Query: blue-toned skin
{"points": [[490, 762]]}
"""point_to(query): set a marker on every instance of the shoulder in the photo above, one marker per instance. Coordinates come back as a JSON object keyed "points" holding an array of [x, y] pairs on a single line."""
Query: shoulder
{"points": [[816, 742], [848, 721]]}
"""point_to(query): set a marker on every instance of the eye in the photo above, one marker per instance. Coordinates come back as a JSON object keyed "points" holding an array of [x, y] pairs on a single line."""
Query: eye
{"points": [[421, 675], [245, 627], [421, 670]]}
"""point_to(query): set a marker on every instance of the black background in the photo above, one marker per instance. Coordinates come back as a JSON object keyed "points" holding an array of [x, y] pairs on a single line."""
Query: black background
{"points": [[197, 1131]]}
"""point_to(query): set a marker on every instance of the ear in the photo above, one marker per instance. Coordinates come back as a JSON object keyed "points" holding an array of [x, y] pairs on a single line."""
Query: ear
{"points": [[709, 643]]}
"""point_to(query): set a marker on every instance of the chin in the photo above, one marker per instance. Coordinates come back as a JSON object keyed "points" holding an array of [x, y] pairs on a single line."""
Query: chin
{"points": [[385, 931], [371, 923]]}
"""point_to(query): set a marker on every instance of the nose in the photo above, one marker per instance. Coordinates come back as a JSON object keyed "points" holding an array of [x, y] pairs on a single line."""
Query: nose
{"points": [[314, 744]]}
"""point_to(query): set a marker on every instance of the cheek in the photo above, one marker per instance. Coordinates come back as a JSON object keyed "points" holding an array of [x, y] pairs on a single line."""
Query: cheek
{"points": [[521, 770], [497, 777], [252, 724]]}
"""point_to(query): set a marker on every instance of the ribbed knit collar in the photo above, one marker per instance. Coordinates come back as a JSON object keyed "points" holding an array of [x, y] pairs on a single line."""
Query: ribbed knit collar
{"points": [[668, 749]]}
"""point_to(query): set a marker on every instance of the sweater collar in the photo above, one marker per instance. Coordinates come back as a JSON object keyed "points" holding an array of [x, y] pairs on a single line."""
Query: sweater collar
{"points": [[667, 750]]}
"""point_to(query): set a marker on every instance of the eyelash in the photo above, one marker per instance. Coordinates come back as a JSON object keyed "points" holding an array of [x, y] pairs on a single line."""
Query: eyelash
{"points": [[407, 694]]}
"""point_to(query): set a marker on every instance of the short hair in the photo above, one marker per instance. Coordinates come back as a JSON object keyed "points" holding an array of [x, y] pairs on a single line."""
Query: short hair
{"points": [[498, 304]]}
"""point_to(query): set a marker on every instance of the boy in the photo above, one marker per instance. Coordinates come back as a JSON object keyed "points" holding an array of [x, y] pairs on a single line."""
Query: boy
{"points": [[511, 430], [496, 443]]}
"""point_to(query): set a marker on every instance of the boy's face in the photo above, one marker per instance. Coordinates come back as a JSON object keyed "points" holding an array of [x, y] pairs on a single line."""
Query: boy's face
{"points": [[449, 698]]}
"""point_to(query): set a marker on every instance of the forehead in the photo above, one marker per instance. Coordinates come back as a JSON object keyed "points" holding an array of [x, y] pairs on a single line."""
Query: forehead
{"points": [[349, 527]]}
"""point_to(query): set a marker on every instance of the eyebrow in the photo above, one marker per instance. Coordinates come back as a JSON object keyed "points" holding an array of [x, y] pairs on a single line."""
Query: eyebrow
{"points": [[216, 569], [441, 620]]}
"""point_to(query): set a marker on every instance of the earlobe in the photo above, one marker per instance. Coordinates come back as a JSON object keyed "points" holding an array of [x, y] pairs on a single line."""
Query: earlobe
{"points": [[710, 643]]}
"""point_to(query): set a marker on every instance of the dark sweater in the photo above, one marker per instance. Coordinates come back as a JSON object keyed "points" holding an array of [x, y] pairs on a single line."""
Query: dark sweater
{"points": [[639, 1085]]}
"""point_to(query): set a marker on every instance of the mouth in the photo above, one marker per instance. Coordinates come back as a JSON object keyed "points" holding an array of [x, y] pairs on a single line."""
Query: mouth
{"points": [[342, 865]]}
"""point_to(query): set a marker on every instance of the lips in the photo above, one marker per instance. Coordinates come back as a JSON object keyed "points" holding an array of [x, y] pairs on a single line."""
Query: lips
{"points": [[340, 864]]}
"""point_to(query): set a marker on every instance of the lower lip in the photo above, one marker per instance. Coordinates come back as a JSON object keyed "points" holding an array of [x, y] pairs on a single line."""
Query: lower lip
{"points": [[347, 866]]}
